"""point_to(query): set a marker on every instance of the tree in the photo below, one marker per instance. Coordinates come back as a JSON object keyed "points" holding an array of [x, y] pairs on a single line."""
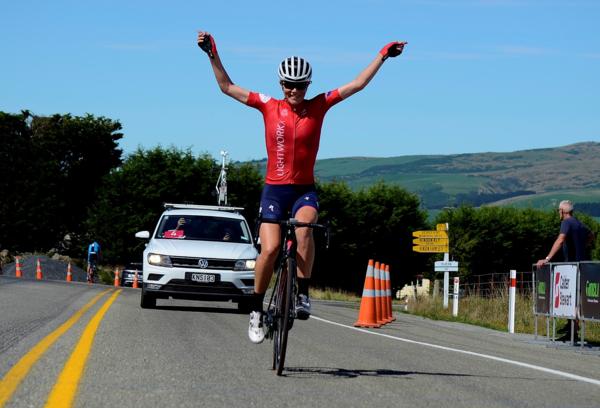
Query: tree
{"points": [[498, 239], [373, 223], [55, 164], [132, 196]]}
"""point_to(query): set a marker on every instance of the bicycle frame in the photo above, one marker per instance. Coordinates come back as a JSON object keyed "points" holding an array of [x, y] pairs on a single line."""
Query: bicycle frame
{"points": [[281, 308]]}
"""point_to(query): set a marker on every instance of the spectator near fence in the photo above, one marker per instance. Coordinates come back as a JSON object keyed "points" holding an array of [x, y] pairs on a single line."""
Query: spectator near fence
{"points": [[574, 239]]}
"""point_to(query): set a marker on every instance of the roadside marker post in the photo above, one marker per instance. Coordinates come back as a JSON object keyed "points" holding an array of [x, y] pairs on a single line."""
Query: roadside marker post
{"points": [[455, 300], [511, 301]]}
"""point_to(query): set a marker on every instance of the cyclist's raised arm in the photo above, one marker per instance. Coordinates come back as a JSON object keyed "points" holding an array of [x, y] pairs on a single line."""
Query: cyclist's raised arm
{"points": [[207, 43], [392, 49]]}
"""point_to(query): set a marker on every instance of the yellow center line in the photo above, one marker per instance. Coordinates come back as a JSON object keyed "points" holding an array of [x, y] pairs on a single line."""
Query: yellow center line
{"points": [[19, 371], [65, 388]]}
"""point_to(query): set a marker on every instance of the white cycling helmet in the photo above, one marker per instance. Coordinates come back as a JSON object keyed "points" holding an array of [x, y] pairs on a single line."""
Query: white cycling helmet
{"points": [[295, 69]]}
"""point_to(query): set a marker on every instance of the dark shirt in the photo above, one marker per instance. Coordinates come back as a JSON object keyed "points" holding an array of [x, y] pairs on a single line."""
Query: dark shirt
{"points": [[575, 245]]}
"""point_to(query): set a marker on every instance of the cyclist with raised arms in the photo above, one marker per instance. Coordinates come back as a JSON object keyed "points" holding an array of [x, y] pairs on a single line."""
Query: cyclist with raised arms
{"points": [[292, 134]]}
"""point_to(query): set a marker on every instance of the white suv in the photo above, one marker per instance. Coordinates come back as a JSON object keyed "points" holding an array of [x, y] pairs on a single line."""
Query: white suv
{"points": [[199, 252]]}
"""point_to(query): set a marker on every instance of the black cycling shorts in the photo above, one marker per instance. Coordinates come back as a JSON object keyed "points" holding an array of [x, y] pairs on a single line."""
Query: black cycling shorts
{"points": [[278, 202]]}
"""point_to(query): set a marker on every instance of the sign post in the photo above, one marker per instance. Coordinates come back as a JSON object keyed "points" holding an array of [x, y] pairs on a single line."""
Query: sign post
{"points": [[446, 283], [437, 242], [446, 267]]}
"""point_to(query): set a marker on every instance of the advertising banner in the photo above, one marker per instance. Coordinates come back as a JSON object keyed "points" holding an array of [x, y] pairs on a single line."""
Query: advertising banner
{"points": [[590, 290], [543, 282], [564, 291]]}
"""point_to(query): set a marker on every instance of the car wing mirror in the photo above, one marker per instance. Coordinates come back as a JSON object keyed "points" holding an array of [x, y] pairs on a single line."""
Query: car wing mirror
{"points": [[143, 234]]}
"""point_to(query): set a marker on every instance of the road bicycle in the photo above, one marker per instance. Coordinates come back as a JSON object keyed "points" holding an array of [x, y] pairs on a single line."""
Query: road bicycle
{"points": [[91, 272], [281, 310]]}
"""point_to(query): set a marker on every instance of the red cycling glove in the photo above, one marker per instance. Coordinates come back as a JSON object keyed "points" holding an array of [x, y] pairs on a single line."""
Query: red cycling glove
{"points": [[392, 49], [209, 46]]}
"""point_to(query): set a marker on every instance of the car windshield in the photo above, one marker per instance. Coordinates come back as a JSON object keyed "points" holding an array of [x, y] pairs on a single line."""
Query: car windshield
{"points": [[204, 228]]}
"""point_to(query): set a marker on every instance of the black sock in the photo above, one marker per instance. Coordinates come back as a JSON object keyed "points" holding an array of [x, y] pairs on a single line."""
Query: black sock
{"points": [[303, 286], [257, 302]]}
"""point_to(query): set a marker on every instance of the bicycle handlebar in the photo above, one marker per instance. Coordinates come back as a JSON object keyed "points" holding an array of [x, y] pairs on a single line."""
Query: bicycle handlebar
{"points": [[293, 222]]}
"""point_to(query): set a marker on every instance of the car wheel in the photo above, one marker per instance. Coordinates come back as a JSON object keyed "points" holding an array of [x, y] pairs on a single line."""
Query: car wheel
{"points": [[147, 301]]}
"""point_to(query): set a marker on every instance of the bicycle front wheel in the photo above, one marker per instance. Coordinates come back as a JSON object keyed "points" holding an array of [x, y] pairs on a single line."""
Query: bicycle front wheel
{"points": [[284, 305]]}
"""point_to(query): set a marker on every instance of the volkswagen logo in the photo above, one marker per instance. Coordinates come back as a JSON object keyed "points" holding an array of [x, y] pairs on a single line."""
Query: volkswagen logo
{"points": [[202, 263]]}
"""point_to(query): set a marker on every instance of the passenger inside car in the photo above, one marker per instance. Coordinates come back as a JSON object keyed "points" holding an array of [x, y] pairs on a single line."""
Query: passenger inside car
{"points": [[178, 232]]}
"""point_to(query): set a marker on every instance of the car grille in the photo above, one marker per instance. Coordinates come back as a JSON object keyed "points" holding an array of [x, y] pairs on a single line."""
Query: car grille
{"points": [[181, 285], [217, 264]]}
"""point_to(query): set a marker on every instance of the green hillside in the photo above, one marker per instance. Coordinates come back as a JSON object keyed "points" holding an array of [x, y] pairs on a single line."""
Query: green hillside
{"points": [[536, 178]]}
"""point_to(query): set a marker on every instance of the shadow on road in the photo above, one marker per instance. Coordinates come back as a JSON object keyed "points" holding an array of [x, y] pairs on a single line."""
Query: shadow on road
{"points": [[311, 372]]}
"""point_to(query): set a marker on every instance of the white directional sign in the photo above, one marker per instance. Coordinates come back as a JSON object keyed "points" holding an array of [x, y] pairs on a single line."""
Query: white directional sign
{"points": [[449, 266]]}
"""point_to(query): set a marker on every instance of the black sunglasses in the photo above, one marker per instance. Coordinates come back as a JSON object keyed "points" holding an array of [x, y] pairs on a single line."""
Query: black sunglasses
{"points": [[295, 85]]}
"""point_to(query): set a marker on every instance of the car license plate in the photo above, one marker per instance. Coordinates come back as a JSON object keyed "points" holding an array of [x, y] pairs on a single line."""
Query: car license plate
{"points": [[202, 277]]}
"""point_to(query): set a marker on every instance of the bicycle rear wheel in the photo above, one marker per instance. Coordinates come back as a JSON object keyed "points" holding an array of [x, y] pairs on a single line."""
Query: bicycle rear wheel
{"points": [[90, 275], [284, 304]]}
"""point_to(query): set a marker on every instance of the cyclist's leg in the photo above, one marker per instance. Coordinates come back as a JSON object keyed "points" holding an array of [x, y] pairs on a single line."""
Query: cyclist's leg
{"points": [[306, 243], [270, 235], [269, 245], [306, 210]]}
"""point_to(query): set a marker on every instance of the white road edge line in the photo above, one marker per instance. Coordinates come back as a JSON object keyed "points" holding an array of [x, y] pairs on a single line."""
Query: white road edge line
{"points": [[471, 353]]}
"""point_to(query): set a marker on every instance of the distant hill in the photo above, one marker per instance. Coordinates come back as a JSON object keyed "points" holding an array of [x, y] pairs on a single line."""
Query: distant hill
{"points": [[539, 177]]}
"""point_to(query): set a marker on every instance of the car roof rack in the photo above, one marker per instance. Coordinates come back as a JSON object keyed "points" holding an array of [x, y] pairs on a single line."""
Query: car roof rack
{"points": [[173, 206]]}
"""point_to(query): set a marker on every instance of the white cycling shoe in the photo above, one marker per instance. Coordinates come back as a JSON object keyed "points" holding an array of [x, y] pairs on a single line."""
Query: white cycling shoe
{"points": [[302, 307], [256, 331]]}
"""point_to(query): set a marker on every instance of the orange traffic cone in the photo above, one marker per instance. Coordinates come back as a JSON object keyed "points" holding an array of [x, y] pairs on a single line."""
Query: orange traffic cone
{"points": [[378, 298], [18, 271], [38, 270], [135, 280], [117, 277], [367, 316], [389, 291], [69, 273], [385, 313]]}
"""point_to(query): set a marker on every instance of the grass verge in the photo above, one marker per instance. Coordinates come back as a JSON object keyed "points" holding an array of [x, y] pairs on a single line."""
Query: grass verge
{"points": [[486, 312]]}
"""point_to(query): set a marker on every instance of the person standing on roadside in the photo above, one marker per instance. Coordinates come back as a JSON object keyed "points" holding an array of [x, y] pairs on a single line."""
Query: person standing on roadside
{"points": [[574, 240]]}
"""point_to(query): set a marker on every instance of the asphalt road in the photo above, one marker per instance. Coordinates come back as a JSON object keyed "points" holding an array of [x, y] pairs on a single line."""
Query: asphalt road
{"points": [[196, 354]]}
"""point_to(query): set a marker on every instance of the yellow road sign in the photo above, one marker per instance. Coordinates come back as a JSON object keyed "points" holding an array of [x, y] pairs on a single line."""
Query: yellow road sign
{"points": [[430, 241], [431, 248], [442, 227], [430, 234]]}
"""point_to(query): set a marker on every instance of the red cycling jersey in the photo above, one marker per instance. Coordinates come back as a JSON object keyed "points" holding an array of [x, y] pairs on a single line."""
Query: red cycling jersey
{"points": [[292, 135]]}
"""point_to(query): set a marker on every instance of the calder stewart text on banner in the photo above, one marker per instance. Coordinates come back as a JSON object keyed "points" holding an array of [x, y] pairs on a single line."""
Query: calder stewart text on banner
{"points": [[564, 293]]}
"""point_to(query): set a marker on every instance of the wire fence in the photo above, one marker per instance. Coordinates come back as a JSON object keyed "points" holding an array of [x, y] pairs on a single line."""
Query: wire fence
{"points": [[493, 284]]}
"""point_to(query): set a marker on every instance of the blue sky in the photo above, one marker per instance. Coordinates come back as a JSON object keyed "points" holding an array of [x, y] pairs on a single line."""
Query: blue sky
{"points": [[476, 76]]}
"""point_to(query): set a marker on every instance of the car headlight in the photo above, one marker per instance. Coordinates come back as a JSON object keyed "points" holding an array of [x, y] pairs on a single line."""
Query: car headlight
{"points": [[244, 265], [159, 260]]}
